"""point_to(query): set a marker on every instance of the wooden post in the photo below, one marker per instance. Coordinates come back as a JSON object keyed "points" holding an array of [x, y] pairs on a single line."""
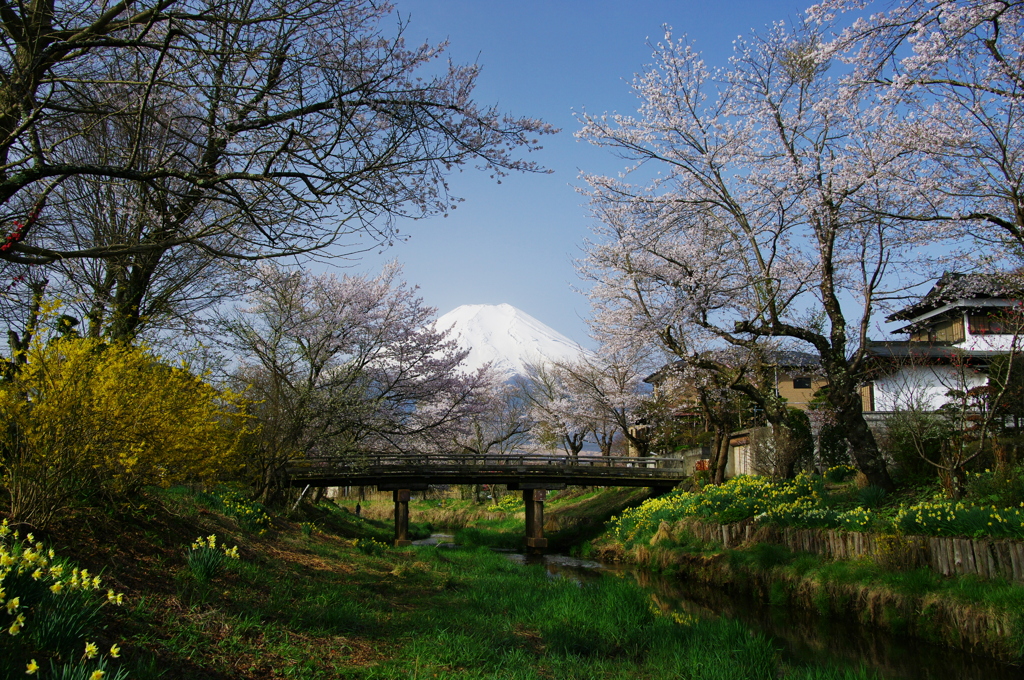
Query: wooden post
{"points": [[534, 501], [401, 497]]}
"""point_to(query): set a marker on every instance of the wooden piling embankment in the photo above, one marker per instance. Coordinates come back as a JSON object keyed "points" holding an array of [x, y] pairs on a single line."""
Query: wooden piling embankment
{"points": [[946, 555], [991, 631]]}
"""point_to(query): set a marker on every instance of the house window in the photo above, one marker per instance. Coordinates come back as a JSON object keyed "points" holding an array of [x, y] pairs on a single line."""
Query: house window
{"points": [[944, 331], [801, 383], [987, 325]]}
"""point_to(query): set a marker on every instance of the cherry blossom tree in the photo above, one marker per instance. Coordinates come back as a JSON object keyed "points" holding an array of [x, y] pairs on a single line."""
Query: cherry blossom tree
{"points": [[758, 205], [710, 392], [343, 366], [124, 294], [307, 120], [559, 418], [501, 426], [606, 391], [956, 70]]}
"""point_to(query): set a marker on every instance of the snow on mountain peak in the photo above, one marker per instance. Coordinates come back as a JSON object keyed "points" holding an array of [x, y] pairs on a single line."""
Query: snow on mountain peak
{"points": [[507, 337]]}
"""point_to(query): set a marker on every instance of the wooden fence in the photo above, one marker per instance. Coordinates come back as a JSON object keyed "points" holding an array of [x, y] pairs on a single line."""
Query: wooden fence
{"points": [[989, 558]]}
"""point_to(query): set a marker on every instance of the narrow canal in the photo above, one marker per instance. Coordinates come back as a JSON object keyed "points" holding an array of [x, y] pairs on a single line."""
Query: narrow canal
{"points": [[803, 637]]}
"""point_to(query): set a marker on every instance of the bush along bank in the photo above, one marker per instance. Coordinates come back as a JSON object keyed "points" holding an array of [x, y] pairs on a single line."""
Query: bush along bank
{"points": [[760, 536]]}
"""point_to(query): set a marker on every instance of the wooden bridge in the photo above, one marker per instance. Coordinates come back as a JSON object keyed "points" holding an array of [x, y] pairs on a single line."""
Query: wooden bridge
{"points": [[533, 474]]}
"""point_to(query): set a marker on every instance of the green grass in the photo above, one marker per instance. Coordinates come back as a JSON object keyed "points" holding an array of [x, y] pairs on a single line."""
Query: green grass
{"points": [[502, 620], [493, 536], [573, 517], [314, 606], [334, 519]]}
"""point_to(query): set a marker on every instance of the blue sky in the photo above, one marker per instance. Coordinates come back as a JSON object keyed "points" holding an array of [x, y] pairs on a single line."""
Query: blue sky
{"points": [[515, 242]]}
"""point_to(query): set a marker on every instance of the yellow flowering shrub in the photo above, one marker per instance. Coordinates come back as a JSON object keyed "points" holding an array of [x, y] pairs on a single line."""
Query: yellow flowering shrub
{"points": [[47, 608], [82, 416], [510, 502]]}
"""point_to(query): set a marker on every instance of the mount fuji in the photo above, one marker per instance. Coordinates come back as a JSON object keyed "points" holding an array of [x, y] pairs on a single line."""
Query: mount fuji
{"points": [[507, 337]]}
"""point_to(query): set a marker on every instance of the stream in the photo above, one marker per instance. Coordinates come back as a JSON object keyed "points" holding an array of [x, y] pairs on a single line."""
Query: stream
{"points": [[803, 637]]}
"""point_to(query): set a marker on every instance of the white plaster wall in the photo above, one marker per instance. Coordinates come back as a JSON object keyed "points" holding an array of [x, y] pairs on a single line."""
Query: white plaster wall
{"points": [[739, 462], [989, 343], [923, 387]]}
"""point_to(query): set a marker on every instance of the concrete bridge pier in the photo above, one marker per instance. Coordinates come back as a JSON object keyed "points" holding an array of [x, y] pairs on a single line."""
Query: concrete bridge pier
{"points": [[534, 501], [401, 497]]}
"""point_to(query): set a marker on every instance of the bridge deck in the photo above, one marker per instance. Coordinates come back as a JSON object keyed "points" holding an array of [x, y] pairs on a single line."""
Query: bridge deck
{"points": [[394, 471]]}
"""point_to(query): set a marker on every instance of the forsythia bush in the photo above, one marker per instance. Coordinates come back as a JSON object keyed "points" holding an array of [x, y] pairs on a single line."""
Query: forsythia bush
{"points": [[80, 416], [510, 502]]}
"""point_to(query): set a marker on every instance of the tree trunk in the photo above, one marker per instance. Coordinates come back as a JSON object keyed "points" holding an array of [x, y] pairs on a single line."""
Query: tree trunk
{"points": [[864, 448], [126, 312], [785, 458], [719, 455]]}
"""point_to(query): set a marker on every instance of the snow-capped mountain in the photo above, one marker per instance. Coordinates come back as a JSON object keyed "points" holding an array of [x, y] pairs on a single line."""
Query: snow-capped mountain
{"points": [[507, 337]]}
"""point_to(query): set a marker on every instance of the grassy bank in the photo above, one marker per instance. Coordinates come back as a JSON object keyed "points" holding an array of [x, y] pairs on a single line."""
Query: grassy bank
{"points": [[882, 589], [970, 613], [321, 596], [571, 516], [981, 616]]}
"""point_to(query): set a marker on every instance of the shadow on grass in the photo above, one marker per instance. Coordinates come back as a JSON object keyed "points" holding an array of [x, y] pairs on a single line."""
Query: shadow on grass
{"points": [[337, 520]]}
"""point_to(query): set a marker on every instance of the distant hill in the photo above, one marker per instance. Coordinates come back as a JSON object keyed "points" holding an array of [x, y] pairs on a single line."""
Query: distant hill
{"points": [[506, 336]]}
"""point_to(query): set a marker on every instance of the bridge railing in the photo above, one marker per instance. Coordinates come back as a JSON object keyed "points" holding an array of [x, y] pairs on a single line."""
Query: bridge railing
{"points": [[465, 461]]}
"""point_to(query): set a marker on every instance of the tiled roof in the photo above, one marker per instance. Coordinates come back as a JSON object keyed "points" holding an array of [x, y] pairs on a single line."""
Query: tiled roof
{"points": [[781, 358], [952, 287], [901, 349]]}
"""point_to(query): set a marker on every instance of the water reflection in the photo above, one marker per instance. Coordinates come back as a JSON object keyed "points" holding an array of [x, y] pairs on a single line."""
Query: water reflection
{"points": [[808, 638], [438, 540], [563, 565]]}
